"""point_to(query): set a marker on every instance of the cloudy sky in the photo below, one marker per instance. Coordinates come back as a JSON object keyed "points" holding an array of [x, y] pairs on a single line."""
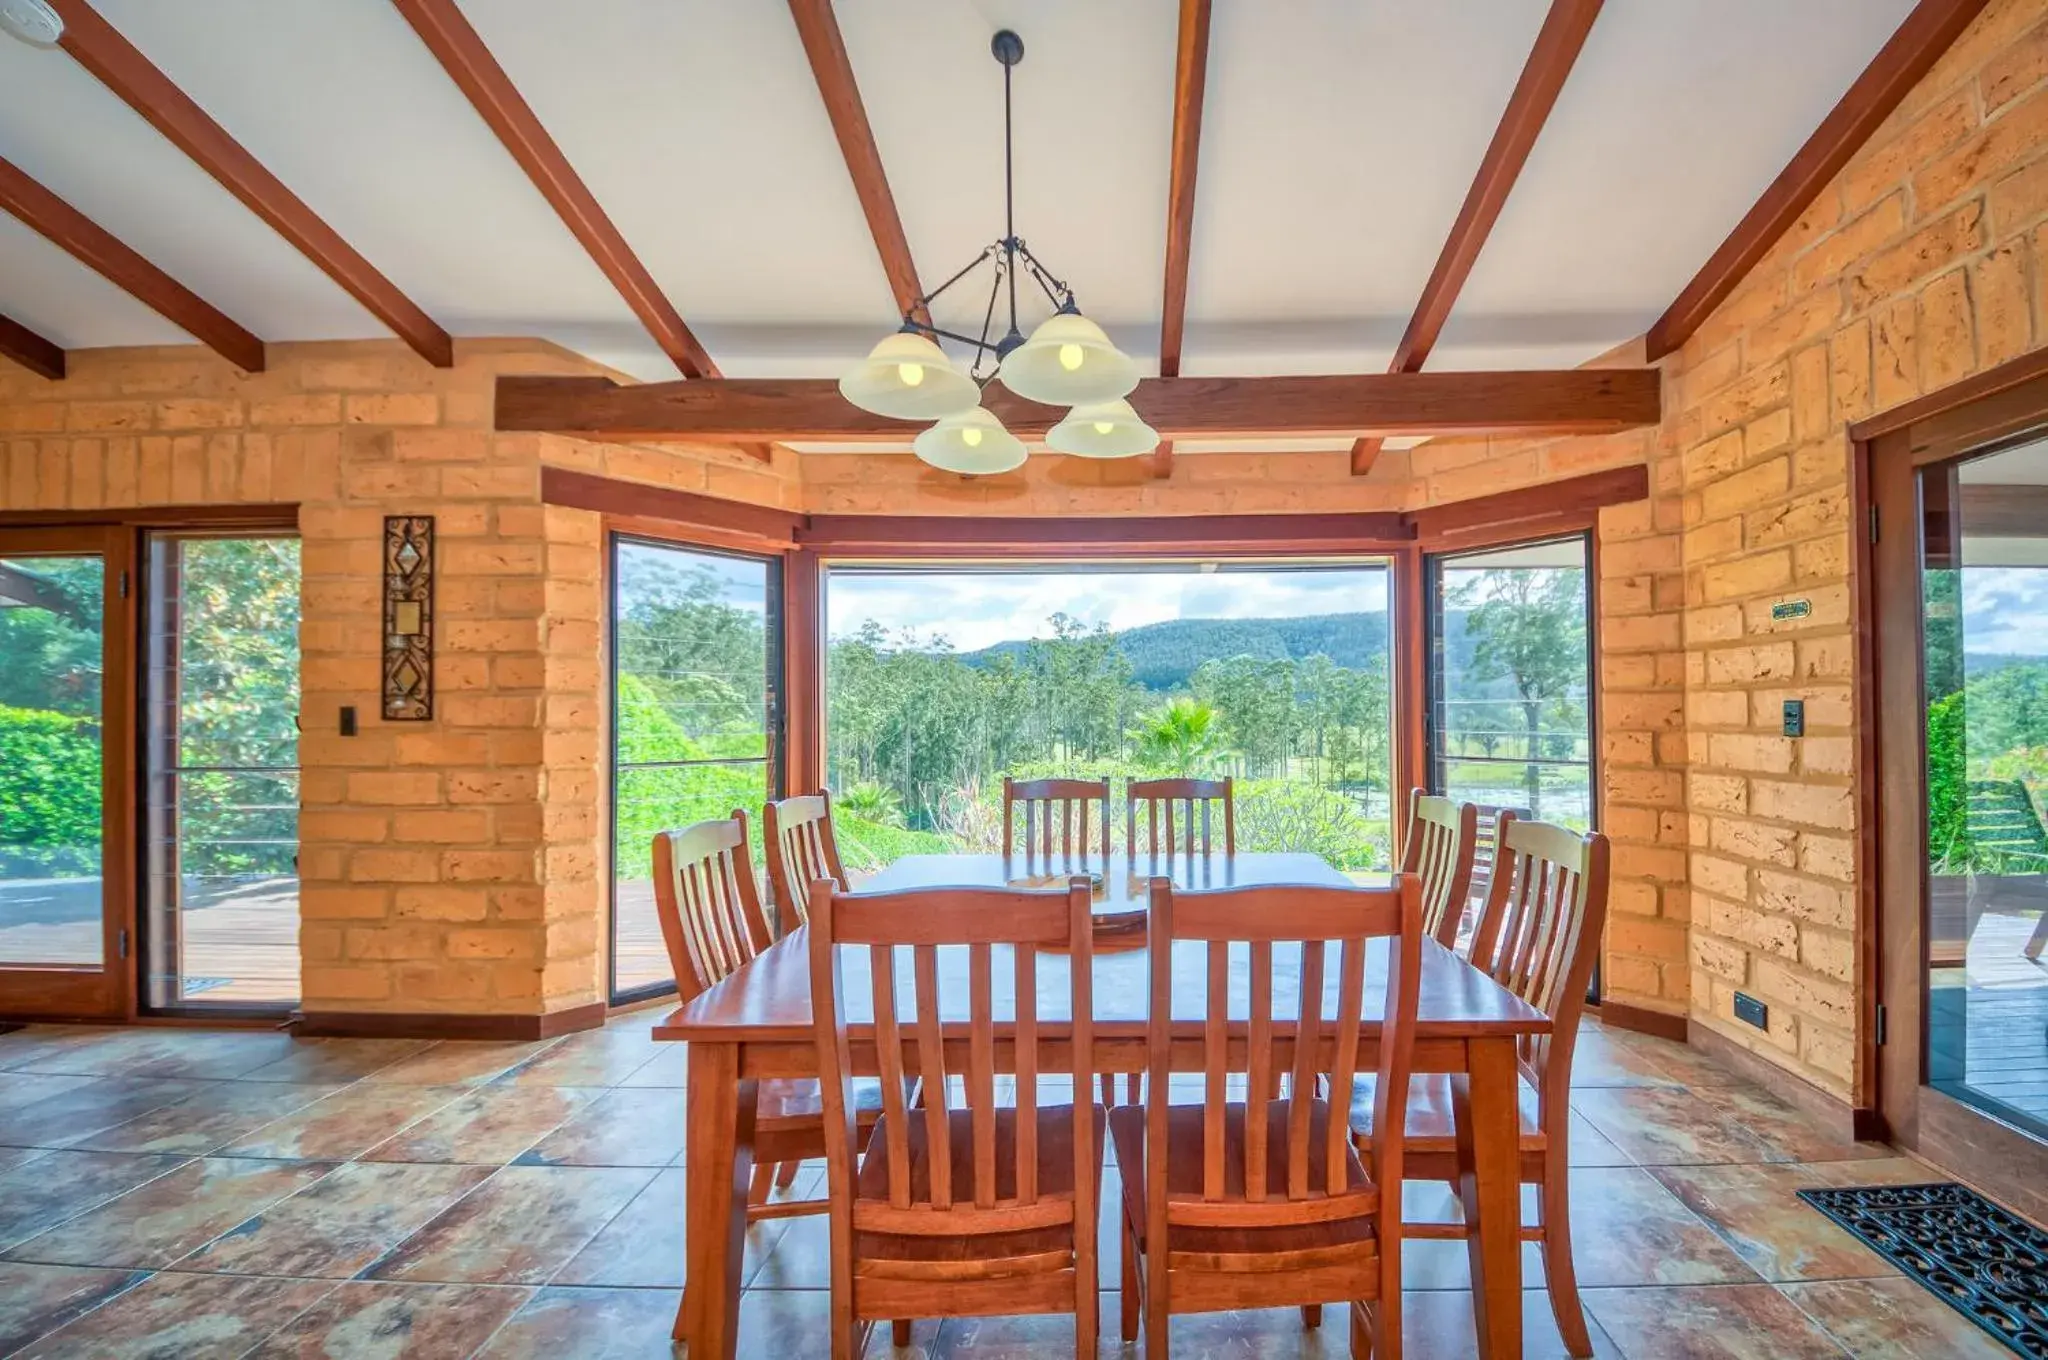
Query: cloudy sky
{"points": [[974, 609], [2005, 610]]}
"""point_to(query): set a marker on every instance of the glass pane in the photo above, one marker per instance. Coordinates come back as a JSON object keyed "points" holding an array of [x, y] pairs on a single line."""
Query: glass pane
{"points": [[1985, 594], [940, 681], [694, 638], [223, 779], [51, 616]]}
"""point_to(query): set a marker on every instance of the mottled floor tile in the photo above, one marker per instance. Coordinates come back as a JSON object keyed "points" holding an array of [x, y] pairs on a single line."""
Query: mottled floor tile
{"points": [[338, 1060], [789, 1322], [346, 1124], [1587, 1146], [460, 1063], [1896, 1169], [83, 1110], [339, 1224], [1628, 1230], [642, 1246], [11, 1157], [623, 1128], [1781, 1236], [667, 1070], [1668, 1126], [1438, 1325], [1709, 1322], [1894, 1319], [159, 1051], [591, 1324], [35, 1299], [367, 1321], [1612, 1057], [1007, 1338], [492, 1124], [516, 1228], [207, 1121], [1264, 1332], [154, 1224], [181, 1317], [25, 1088], [1789, 1134], [598, 1057], [58, 1186]]}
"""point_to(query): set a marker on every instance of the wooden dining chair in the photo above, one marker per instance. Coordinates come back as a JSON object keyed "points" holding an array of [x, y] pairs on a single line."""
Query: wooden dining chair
{"points": [[1170, 819], [1057, 816], [1538, 936], [1267, 1203], [709, 905], [1485, 846], [1442, 839], [801, 850], [957, 1211]]}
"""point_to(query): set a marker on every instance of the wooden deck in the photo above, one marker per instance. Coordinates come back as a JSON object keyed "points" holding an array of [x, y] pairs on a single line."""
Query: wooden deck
{"points": [[2004, 1026]]}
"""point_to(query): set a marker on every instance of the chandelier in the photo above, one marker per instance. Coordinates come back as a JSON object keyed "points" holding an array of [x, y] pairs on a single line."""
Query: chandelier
{"points": [[1067, 361]]}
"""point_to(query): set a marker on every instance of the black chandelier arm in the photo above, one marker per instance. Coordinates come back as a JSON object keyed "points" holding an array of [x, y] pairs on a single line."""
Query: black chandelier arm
{"points": [[989, 316], [1056, 290], [924, 303]]}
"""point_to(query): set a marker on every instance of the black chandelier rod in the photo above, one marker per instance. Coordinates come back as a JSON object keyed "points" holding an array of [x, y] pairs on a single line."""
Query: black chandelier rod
{"points": [[1006, 253]]}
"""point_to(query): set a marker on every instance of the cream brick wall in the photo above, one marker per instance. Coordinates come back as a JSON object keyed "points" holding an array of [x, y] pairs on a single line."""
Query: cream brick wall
{"points": [[450, 865]]}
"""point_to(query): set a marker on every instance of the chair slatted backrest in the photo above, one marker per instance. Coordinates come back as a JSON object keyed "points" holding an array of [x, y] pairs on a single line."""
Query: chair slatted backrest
{"points": [[1315, 919], [1179, 815], [1442, 840], [708, 901], [1540, 934], [1486, 845], [801, 850], [1002, 1192], [1058, 815]]}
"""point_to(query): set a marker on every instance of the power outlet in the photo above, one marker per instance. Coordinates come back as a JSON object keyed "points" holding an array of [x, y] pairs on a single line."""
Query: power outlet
{"points": [[1751, 1011], [1795, 717]]}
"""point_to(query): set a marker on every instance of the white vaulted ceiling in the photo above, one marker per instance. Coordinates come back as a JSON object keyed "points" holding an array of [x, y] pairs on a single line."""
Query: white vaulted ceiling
{"points": [[1340, 137]]}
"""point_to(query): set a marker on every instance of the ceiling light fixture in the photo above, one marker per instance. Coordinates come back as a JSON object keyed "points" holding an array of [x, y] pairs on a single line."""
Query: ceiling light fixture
{"points": [[32, 21], [1103, 429], [1068, 361]]}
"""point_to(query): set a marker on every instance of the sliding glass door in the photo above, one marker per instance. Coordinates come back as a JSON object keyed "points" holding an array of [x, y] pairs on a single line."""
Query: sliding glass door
{"points": [[220, 756], [64, 861], [696, 710]]}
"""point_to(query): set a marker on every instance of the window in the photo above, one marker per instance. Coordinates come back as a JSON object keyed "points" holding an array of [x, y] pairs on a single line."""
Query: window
{"points": [[696, 671], [1510, 674], [941, 679], [221, 806]]}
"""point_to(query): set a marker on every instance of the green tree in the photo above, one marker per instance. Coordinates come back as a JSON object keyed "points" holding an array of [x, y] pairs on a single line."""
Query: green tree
{"points": [[1528, 626], [1181, 736]]}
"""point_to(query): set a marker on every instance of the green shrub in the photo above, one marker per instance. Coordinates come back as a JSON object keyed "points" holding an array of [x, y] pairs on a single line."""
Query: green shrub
{"points": [[49, 792]]}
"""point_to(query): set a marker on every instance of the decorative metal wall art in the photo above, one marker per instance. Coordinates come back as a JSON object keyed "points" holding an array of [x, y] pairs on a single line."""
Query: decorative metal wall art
{"points": [[408, 617]]}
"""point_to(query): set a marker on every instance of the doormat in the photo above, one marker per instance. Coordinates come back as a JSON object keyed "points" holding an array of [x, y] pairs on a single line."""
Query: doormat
{"points": [[1989, 1265]]}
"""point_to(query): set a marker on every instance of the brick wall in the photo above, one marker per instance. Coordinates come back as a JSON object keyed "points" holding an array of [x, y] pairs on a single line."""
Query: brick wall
{"points": [[450, 865]]}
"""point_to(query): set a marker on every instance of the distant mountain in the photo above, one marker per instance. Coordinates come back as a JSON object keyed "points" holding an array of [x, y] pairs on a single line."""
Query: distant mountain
{"points": [[1164, 655]]}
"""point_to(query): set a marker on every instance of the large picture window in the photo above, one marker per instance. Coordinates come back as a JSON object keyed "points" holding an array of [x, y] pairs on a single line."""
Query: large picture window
{"points": [[942, 679], [696, 667]]}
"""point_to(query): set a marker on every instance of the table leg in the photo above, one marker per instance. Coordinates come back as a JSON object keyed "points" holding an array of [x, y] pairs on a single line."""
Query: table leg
{"points": [[719, 1157], [1488, 1184]]}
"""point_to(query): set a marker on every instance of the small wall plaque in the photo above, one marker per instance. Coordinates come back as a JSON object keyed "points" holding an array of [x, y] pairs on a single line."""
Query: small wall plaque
{"points": [[1791, 609], [408, 617]]}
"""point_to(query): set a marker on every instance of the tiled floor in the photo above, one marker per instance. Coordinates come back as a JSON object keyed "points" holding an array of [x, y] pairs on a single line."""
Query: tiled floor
{"points": [[212, 1194]]}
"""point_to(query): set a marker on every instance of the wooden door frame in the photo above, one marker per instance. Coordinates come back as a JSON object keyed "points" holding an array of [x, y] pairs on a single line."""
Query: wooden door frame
{"points": [[107, 992], [1888, 453]]}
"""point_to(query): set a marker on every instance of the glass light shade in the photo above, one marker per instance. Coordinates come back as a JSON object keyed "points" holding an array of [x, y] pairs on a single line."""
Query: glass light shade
{"points": [[1068, 361], [972, 442], [1105, 429], [908, 377]]}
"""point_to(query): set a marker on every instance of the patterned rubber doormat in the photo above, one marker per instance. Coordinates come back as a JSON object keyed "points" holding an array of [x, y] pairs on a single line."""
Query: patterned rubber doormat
{"points": [[1987, 1264]]}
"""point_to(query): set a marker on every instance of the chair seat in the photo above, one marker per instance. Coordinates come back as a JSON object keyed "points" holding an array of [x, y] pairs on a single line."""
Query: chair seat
{"points": [[1186, 1148], [1432, 1122], [1055, 1182]]}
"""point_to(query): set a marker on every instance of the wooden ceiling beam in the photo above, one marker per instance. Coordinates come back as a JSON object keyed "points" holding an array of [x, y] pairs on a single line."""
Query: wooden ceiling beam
{"points": [[99, 48], [1908, 55], [31, 351], [1556, 51], [461, 51], [818, 28], [1190, 87], [1572, 401], [98, 250]]}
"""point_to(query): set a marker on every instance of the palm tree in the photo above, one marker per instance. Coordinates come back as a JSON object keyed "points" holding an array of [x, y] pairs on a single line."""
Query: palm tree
{"points": [[877, 803], [1183, 735]]}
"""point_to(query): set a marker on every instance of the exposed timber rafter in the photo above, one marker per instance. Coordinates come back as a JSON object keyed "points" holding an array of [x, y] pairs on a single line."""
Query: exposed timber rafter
{"points": [[116, 63], [1906, 56], [98, 249], [1190, 86], [31, 351], [1556, 50]]}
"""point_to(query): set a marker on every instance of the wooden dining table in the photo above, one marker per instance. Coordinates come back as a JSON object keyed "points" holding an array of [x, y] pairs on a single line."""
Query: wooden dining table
{"points": [[757, 1024]]}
